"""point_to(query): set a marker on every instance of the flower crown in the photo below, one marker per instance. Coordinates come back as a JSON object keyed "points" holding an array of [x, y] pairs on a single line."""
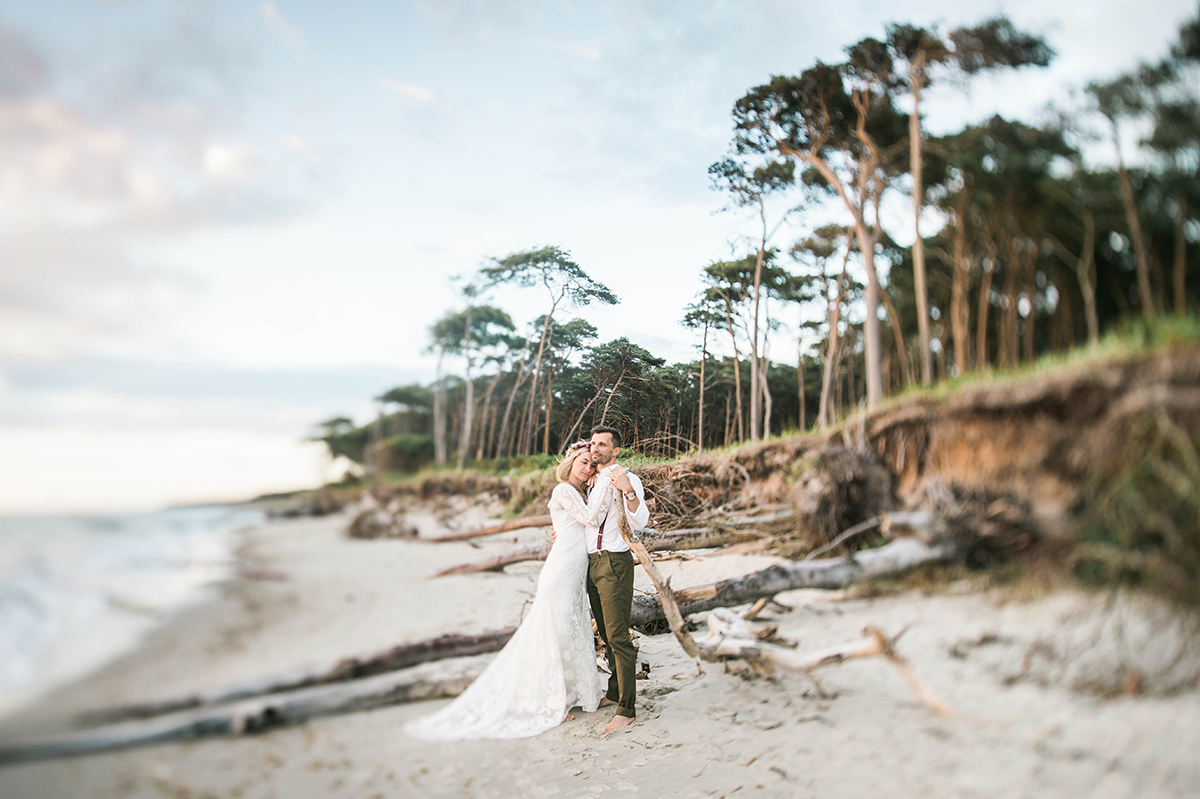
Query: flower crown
{"points": [[579, 444]]}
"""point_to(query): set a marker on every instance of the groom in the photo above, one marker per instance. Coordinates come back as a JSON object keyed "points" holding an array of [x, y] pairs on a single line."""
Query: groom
{"points": [[610, 578]]}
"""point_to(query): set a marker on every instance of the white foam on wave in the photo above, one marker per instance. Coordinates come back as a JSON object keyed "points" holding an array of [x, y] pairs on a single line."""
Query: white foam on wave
{"points": [[76, 592]]}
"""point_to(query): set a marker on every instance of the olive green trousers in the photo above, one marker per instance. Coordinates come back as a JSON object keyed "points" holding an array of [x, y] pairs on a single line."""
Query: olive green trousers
{"points": [[610, 591]]}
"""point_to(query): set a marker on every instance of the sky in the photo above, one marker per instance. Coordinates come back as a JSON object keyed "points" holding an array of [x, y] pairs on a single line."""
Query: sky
{"points": [[222, 222]]}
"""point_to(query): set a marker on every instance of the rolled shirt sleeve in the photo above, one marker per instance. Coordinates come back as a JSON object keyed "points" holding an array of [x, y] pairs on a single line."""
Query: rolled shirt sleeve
{"points": [[640, 517]]}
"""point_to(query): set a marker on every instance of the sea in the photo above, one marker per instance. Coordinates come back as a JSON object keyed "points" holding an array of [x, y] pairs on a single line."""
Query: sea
{"points": [[78, 591]]}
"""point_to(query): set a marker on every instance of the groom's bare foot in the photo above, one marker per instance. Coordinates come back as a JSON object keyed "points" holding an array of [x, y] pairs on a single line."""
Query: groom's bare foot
{"points": [[606, 702], [618, 722]]}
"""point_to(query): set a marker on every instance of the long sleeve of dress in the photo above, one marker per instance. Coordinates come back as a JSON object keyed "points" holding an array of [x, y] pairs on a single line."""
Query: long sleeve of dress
{"points": [[588, 515]]}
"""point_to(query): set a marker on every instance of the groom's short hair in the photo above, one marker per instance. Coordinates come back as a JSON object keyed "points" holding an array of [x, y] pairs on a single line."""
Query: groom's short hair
{"points": [[612, 431]]}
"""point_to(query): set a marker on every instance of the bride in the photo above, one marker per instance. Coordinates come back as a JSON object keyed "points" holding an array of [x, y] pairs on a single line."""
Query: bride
{"points": [[549, 665]]}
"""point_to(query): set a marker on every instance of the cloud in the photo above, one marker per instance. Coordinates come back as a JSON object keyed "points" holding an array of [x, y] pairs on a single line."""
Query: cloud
{"points": [[408, 91], [575, 49], [21, 69], [296, 145], [227, 161], [113, 394], [291, 36], [89, 186]]}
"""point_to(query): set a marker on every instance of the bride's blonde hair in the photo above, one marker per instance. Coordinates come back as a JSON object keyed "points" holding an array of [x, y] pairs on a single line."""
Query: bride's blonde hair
{"points": [[563, 472]]}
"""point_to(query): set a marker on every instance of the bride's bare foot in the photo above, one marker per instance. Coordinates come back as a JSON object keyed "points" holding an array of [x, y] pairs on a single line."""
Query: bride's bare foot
{"points": [[570, 717], [618, 722], [606, 702]]}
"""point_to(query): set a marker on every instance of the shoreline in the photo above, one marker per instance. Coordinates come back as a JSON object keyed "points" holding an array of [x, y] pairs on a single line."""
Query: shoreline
{"points": [[83, 591], [695, 736]]}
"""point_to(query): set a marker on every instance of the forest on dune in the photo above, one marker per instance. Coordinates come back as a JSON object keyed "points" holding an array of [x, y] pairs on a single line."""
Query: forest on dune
{"points": [[1023, 248]]}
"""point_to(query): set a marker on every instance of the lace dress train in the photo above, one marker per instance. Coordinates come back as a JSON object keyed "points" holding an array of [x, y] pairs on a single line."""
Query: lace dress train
{"points": [[549, 665]]}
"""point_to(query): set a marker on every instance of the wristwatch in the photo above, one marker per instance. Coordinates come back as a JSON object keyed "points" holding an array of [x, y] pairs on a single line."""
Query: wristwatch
{"points": [[630, 495]]}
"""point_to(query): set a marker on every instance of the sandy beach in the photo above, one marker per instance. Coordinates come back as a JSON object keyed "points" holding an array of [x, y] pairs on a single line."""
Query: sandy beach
{"points": [[1021, 676]]}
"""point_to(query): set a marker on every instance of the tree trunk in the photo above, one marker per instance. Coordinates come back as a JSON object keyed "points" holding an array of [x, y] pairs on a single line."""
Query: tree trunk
{"points": [[916, 74], [873, 361], [737, 370], [613, 393], [1030, 294], [1135, 231], [439, 414], [985, 304], [1085, 271], [800, 385], [1181, 255], [703, 361], [1009, 340], [485, 435], [866, 245], [834, 311], [567, 439], [549, 408], [502, 438], [764, 390], [469, 404], [1159, 286], [755, 388], [960, 311], [727, 419], [527, 439], [898, 335]]}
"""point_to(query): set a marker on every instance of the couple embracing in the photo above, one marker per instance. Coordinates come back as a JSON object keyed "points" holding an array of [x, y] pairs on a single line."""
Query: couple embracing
{"points": [[549, 665]]}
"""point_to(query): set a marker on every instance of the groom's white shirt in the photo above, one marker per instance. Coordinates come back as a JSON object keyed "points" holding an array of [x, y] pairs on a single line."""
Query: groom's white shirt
{"points": [[638, 519]]}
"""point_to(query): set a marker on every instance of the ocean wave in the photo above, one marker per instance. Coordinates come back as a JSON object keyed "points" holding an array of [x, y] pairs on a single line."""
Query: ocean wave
{"points": [[77, 591]]}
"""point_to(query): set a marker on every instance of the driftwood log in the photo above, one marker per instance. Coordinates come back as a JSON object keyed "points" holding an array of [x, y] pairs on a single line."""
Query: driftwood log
{"points": [[351, 668], [731, 636], [893, 558], [654, 540], [506, 527], [427, 681]]}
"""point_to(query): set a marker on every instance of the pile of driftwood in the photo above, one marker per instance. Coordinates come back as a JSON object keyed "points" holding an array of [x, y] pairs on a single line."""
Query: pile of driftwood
{"points": [[949, 528]]}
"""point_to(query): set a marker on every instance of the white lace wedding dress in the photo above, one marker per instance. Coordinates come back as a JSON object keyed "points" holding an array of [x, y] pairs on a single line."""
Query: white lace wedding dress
{"points": [[549, 665]]}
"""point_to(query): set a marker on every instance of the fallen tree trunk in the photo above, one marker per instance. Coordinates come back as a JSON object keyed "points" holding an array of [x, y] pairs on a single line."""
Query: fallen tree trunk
{"points": [[655, 541], [506, 527], [427, 681], [398, 657], [896, 557], [760, 519]]}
